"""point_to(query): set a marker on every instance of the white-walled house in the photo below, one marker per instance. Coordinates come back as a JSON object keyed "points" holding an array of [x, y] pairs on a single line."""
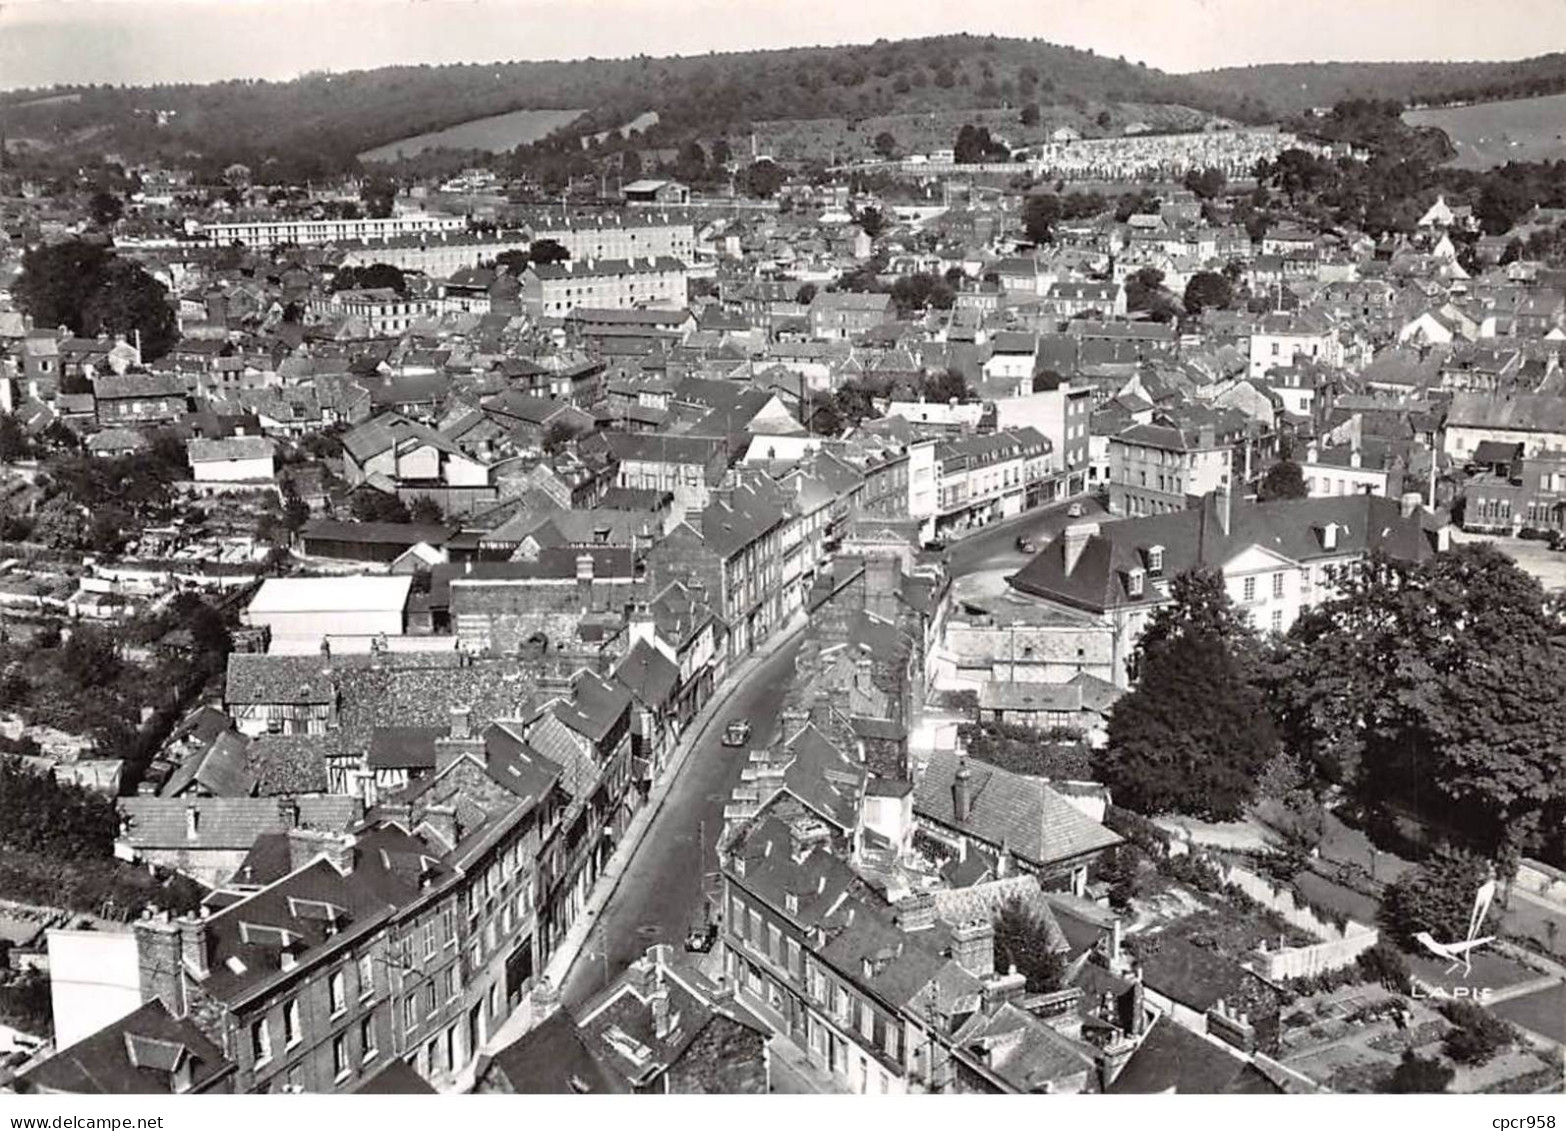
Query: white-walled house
{"points": [[1277, 558], [238, 459]]}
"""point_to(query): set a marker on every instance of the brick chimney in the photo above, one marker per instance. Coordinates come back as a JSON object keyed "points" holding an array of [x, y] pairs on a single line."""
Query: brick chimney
{"points": [[160, 963], [1075, 540], [916, 912], [1003, 988], [194, 950], [962, 797], [973, 946], [461, 722]]}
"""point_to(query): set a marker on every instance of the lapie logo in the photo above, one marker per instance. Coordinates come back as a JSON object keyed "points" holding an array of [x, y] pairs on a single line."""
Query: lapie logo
{"points": [[1461, 953]]}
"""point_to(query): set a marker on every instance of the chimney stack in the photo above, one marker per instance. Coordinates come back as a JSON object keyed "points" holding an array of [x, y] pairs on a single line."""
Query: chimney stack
{"points": [[973, 947], [916, 912], [584, 580], [193, 946], [1411, 501], [962, 797], [1076, 538], [461, 722], [160, 963], [1003, 988], [192, 821]]}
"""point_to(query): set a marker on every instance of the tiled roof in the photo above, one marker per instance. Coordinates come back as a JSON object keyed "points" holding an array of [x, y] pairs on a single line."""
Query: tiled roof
{"points": [[224, 822], [1022, 814]]}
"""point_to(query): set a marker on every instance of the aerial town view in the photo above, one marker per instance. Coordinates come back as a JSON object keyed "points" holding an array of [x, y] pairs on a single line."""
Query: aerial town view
{"points": [[890, 551]]}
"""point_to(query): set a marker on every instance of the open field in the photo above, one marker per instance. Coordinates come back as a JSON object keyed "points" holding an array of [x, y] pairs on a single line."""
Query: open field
{"points": [[495, 134], [1493, 133]]}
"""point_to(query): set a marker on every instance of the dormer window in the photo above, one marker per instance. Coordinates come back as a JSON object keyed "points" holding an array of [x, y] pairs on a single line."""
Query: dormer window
{"points": [[1134, 583], [1155, 561]]}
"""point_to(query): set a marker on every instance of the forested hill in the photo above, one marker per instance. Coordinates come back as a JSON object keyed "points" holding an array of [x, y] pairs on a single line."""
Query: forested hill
{"points": [[317, 123], [1291, 88]]}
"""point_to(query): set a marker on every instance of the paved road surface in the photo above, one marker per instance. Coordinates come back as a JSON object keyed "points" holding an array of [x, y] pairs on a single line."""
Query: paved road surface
{"points": [[661, 890]]}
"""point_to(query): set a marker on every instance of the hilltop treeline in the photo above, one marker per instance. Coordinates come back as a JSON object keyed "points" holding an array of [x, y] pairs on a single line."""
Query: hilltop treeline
{"points": [[315, 125], [1293, 88]]}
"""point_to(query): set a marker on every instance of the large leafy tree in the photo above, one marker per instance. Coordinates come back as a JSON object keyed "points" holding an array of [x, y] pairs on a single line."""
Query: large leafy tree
{"points": [[1193, 737], [1207, 290], [1437, 896], [1438, 685], [86, 287], [1284, 480]]}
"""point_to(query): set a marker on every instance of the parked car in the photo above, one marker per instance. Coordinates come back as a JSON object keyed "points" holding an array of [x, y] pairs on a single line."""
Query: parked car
{"points": [[701, 936], [737, 733], [1026, 545], [1074, 510]]}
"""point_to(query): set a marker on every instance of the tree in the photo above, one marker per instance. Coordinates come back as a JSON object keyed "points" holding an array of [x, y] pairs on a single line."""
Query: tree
{"points": [[105, 209], [514, 261], [15, 444], [1030, 114], [1193, 736], [426, 510], [1418, 1075], [872, 220], [1284, 480], [370, 505], [375, 276], [61, 524], [86, 287], [974, 146], [922, 291], [886, 144], [1023, 942], [1477, 1034], [1103, 119], [547, 251], [378, 196], [1436, 895], [557, 435], [806, 294], [1040, 213], [1207, 183], [763, 179], [1207, 290]]}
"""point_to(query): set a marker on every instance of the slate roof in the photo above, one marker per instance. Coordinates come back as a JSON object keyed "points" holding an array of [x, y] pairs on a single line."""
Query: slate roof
{"points": [[221, 770], [1194, 538], [1521, 413], [649, 675], [225, 822], [1020, 813], [136, 1055], [1171, 1058], [236, 447]]}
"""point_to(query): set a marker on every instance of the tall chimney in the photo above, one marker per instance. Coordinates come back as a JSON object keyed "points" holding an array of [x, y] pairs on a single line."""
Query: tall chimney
{"points": [[193, 946], [461, 722], [160, 963], [584, 580], [962, 800]]}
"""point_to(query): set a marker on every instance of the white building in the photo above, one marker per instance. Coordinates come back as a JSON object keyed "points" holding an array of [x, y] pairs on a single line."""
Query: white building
{"points": [[301, 612], [238, 459], [272, 233]]}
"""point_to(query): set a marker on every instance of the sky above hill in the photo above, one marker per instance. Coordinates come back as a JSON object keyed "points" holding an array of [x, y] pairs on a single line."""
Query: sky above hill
{"points": [[43, 42]]}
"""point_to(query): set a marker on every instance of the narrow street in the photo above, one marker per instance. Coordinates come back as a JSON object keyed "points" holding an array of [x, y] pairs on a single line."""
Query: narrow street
{"points": [[662, 887], [661, 891]]}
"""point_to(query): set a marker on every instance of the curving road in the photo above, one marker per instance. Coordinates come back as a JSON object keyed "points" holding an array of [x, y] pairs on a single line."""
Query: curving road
{"points": [[661, 890]]}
